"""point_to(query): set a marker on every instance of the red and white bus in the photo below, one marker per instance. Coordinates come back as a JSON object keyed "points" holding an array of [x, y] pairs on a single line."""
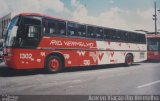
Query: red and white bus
{"points": [[40, 41], [153, 42]]}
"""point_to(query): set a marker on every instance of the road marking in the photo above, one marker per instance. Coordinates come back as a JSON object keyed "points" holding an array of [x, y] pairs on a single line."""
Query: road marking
{"points": [[149, 84]]}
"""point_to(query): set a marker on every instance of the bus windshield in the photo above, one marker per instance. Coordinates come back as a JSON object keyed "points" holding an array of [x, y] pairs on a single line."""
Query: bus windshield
{"points": [[11, 32], [154, 44], [23, 31]]}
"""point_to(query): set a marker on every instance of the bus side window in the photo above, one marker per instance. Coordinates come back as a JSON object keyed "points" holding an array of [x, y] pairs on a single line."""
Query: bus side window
{"points": [[126, 37], [113, 35], [131, 38], [106, 34], [99, 33], [75, 29], [49, 26], [61, 28], [91, 32], [121, 36], [33, 31], [82, 30], [134, 38], [143, 40], [71, 29]]}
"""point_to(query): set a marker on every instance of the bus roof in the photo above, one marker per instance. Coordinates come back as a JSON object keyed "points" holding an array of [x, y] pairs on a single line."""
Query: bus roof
{"points": [[43, 15], [38, 15]]}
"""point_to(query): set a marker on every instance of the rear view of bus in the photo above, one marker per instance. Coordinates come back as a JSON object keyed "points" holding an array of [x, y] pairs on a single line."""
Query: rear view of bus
{"points": [[153, 42]]}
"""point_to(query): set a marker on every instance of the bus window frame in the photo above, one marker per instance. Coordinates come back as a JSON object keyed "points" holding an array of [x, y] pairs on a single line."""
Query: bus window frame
{"points": [[57, 21]]}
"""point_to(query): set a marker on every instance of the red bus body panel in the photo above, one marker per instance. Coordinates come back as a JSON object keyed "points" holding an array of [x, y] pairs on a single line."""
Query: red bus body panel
{"points": [[153, 55], [76, 52], [35, 58]]}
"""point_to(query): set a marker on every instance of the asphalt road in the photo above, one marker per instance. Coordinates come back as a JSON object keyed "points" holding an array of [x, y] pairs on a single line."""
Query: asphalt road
{"points": [[139, 79]]}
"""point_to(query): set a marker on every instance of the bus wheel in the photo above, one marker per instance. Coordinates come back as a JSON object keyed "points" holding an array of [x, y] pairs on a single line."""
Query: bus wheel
{"points": [[54, 64], [129, 60]]}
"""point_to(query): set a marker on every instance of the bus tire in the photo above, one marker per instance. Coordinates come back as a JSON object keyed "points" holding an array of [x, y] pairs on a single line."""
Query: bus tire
{"points": [[54, 64], [129, 60]]}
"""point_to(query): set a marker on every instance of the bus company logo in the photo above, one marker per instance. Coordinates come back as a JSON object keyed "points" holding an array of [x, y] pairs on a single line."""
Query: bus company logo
{"points": [[100, 55], [66, 56], [56, 42], [81, 53], [43, 53], [96, 56], [86, 62], [71, 43], [110, 53]]}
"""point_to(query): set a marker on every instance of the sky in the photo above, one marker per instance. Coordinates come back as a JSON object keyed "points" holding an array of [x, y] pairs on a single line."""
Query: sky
{"points": [[121, 14]]}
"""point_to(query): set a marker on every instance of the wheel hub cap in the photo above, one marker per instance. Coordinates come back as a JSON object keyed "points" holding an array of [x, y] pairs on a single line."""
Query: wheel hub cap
{"points": [[54, 64]]}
